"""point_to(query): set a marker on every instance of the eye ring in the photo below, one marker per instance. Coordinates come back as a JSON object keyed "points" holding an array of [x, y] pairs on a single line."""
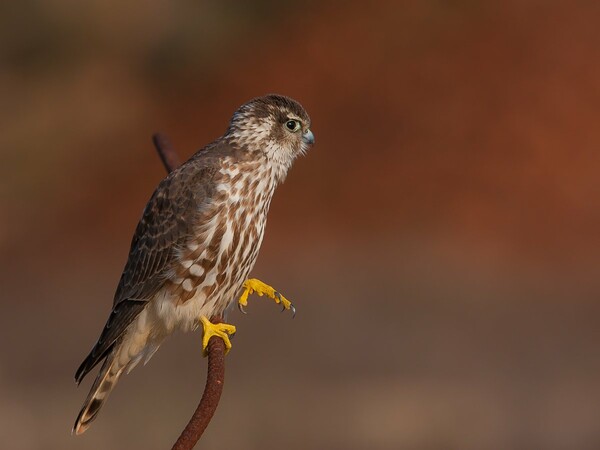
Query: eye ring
{"points": [[292, 125]]}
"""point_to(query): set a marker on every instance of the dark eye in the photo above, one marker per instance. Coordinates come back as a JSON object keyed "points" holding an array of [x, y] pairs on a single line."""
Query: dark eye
{"points": [[292, 125]]}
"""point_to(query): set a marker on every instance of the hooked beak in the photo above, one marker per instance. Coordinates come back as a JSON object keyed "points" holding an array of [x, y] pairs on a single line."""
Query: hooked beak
{"points": [[308, 138]]}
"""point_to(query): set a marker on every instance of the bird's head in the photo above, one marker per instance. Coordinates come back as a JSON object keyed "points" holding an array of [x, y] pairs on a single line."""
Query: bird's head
{"points": [[274, 125]]}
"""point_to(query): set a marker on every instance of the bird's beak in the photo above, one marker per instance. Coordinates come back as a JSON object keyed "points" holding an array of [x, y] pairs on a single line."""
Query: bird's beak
{"points": [[308, 138]]}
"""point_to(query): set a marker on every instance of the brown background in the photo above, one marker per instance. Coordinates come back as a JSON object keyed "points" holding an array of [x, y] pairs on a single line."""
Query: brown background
{"points": [[441, 241]]}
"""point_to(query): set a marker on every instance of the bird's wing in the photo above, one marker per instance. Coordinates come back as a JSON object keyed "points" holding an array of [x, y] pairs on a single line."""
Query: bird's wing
{"points": [[164, 227]]}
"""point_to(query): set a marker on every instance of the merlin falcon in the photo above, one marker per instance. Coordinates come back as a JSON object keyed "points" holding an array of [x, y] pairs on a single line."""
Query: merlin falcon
{"points": [[197, 242]]}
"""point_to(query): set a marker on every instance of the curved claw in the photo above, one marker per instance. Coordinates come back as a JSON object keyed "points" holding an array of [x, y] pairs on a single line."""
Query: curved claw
{"points": [[283, 308], [278, 300], [241, 308]]}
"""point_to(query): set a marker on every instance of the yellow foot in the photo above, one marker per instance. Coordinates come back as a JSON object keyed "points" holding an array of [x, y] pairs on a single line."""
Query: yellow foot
{"points": [[221, 330], [253, 285]]}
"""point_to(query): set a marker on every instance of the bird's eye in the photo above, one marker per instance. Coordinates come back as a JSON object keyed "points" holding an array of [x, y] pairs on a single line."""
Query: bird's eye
{"points": [[292, 125]]}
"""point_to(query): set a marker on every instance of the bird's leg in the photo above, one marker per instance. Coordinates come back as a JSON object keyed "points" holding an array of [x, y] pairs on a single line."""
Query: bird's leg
{"points": [[252, 286], [222, 330]]}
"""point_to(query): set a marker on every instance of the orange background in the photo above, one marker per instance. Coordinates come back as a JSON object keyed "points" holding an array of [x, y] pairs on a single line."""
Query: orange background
{"points": [[441, 241]]}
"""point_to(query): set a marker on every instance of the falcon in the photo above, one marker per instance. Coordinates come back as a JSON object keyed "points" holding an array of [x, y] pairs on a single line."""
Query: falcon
{"points": [[197, 242]]}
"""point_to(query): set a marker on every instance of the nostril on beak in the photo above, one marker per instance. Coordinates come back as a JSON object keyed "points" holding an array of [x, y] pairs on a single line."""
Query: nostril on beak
{"points": [[308, 137]]}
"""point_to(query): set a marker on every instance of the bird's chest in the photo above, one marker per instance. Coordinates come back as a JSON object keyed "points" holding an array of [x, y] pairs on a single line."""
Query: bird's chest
{"points": [[224, 247]]}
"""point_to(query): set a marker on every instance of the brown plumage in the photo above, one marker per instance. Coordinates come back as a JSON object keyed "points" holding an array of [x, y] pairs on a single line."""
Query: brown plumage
{"points": [[197, 240]]}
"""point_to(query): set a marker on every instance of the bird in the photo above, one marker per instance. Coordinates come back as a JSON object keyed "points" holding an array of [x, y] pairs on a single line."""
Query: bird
{"points": [[196, 243]]}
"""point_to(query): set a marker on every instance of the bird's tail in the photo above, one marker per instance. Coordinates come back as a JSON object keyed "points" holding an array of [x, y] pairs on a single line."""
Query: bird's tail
{"points": [[105, 382]]}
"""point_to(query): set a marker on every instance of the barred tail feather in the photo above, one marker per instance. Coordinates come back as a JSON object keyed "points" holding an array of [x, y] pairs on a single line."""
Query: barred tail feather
{"points": [[105, 382], [125, 354]]}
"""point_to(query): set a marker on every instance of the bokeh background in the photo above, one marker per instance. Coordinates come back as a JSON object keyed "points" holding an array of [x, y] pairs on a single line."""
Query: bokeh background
{"points": [[441, 241]]}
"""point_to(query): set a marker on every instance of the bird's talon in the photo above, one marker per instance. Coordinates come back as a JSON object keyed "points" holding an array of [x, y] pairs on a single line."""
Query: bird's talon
{"points": [[222, 330], [254, 286], [241, 308]]}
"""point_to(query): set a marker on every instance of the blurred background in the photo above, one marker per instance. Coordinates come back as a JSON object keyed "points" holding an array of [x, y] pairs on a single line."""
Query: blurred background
{"points": [[441, 241]]}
